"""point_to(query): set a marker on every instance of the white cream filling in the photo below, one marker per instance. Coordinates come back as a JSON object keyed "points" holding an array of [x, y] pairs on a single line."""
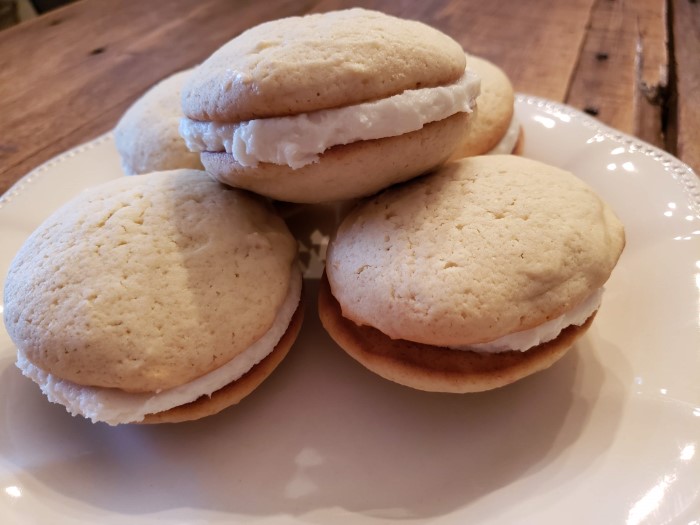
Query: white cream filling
{"points": [[299, 140], [114, 406], [526, 339], [509, 140]]}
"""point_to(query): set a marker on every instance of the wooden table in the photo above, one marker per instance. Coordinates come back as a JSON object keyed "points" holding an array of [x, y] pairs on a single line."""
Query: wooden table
{"points": [[67, 76]]}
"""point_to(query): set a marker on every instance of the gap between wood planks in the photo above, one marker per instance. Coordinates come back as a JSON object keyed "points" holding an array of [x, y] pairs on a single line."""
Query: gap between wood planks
{"points": [[683, 128], [628, 69], [622, 73]]}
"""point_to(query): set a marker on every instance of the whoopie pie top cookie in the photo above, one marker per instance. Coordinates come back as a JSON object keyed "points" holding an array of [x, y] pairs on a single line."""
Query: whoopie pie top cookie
{"points": [[147, 136], [328, 106], [147, 293]]}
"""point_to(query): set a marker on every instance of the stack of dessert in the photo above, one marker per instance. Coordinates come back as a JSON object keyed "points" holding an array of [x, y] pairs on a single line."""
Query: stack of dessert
{"points": [[455, 266]]}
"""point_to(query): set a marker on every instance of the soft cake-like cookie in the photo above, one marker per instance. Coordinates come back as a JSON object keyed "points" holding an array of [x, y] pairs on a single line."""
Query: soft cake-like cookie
{"points": [[472, 277], [162, 297], [493, 127], [147, 136], [328, 106]]}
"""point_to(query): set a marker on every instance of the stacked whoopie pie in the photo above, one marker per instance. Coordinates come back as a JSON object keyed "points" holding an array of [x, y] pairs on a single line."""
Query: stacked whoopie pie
{"points": [[147, 137], [472, 277], [169, 296], [157, 298], [493, 127], [329, 106]]}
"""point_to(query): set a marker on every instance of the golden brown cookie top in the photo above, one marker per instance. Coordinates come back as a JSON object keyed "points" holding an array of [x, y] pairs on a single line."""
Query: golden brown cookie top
{"points": [[491, 119], [301, 64], [482, 248], [145, 283], [147, 136]]}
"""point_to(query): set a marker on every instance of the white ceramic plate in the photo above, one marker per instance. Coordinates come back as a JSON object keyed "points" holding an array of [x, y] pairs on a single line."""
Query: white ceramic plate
{"points": [[610, 434]]}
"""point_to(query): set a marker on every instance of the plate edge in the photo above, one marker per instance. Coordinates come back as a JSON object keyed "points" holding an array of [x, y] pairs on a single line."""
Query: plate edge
{"points": [[679, 170], [19, 186]]}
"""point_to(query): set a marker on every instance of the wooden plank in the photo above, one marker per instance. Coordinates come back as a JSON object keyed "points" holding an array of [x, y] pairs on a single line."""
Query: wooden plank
{"points": [[685, 117], [81, 66], [536, 42], [652, 72], [622, 74]]}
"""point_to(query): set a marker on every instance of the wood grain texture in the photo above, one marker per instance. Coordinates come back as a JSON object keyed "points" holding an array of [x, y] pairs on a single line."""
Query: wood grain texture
{"points": [[686, 74], [622, 73], [68, 76]]}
